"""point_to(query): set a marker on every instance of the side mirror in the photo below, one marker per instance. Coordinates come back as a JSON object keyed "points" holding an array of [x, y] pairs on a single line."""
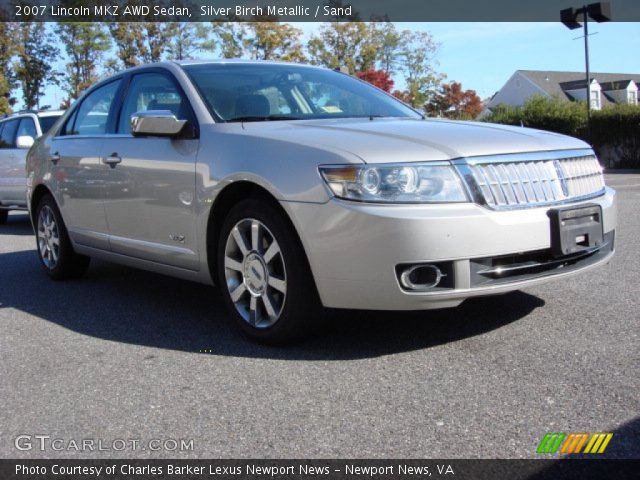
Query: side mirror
{"points": [[24, 141], [156, 123]]}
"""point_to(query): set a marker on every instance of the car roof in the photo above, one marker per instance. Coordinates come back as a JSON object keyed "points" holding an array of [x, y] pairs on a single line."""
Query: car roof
{"points": [[172, 64], [43, 113], [222, 61], [50, 113]]}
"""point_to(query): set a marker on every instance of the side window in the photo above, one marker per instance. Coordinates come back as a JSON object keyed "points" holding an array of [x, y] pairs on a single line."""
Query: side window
{"points": [[8, 134], [67, 129], [27, 128], [92, 115], [152, 91]]}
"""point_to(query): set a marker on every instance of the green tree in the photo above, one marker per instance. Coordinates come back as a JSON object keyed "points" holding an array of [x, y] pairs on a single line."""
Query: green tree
{"points": [[35, 54], [129, 41], [7, 79], [354, 45], [85, 45], [187, 38], [272, 40], [111, 66], [390, 41], [417, 63], [231, 36], [155, 40], [5, 96]]}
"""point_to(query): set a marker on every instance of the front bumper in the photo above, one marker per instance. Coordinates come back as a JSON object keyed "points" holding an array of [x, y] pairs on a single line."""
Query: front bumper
{"points": [[354, 248]]}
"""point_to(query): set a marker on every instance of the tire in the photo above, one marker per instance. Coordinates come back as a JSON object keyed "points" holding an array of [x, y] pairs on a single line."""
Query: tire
{"points": [[265, 279], [3, 216], [54, 247]]}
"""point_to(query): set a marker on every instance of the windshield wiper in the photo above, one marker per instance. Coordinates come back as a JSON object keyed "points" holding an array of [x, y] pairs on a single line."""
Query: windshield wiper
{"points": [[264, 118]]}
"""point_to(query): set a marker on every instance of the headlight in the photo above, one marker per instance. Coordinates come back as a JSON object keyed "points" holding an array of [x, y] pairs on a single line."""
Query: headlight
{"points": [[395, 183]]}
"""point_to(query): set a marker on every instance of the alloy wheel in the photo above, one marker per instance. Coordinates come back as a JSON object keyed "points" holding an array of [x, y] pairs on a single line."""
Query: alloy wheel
{"points": [[48, 237], [255, 273]]}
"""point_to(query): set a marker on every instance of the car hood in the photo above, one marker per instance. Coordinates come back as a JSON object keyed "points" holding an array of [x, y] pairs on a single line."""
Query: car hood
{"points": [[383, 140]]}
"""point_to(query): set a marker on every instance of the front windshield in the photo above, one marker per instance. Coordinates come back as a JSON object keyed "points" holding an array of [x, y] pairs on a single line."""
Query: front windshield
{"points": [[256, 92]]}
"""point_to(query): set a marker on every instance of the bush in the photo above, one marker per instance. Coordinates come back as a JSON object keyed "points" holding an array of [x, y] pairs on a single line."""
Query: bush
{"points": [[615, 135], [615, 130], [544, 113]]}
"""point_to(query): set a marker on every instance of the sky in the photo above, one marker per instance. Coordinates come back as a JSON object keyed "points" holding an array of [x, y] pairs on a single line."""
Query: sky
{"points": [[482, 56]]}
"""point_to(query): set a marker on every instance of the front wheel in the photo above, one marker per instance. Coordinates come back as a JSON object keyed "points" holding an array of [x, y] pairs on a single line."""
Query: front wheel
{"points": [[55, 251], [264, 274], [4, 214]]}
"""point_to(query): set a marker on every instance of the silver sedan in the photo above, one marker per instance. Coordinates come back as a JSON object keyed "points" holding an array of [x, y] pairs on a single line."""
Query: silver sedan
{"points": [[294, 187]]}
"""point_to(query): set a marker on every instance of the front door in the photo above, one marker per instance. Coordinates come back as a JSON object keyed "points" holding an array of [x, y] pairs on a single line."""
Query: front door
{"points": [[149, 196]]}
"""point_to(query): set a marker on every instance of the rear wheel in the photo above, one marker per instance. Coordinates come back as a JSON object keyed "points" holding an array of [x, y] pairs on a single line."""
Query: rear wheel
{"points": [[264, 275], [55, 251], [3, 216]]}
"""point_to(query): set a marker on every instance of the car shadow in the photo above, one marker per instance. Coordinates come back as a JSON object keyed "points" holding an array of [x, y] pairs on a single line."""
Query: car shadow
{"points": [[627, 441], [131, 306], [17, 224]]}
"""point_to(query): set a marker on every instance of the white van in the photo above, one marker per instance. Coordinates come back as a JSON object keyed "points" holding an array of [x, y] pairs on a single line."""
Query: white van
{"points": [[17, 134]]}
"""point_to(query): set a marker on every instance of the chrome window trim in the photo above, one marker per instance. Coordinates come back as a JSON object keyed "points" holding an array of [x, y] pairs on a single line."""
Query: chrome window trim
{"points": [[78, 137]]}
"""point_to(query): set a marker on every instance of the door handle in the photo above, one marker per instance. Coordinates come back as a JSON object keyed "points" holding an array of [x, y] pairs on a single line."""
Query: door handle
{"points": [[112, 160], [55, 158]]}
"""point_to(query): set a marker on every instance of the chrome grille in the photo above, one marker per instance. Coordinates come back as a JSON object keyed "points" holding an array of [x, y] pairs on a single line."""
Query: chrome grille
{"points": [[514, 183]]}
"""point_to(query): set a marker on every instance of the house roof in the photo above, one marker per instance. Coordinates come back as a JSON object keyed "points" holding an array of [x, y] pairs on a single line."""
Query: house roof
{"points": [[556, 83]]}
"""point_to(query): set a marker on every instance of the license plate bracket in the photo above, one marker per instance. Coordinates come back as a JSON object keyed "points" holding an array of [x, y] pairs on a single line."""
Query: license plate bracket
{"points": [[575, 229]]}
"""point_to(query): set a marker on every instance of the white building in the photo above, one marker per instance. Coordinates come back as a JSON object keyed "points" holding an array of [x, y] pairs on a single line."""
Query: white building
{"points": [[604, 88]]}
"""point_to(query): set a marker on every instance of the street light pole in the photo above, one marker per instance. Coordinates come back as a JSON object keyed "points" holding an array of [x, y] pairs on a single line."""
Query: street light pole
{"points": [[600, 12], [585, 12]]}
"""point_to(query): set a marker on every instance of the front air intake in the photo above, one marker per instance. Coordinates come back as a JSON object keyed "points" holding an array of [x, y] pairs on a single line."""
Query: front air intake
{"points": [[424, 277]]}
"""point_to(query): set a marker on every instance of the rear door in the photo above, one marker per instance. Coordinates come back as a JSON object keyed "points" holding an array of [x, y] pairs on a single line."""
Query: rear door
{"points": [[149, 196], [78, 174]]}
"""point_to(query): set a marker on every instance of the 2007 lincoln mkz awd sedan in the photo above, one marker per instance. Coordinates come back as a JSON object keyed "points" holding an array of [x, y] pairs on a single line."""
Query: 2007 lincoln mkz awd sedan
{"points": [[295, 187]]}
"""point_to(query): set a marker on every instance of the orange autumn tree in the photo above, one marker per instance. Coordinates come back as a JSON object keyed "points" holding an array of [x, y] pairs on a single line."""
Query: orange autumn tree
{"points": [[452, 101], [378, 78]]}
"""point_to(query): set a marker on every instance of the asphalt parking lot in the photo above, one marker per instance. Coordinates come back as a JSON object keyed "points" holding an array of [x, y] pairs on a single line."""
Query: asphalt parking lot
{"points": [[125, 354]]}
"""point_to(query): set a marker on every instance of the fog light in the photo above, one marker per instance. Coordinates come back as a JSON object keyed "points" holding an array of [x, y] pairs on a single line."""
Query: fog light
{"points": [[421, 277]]}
